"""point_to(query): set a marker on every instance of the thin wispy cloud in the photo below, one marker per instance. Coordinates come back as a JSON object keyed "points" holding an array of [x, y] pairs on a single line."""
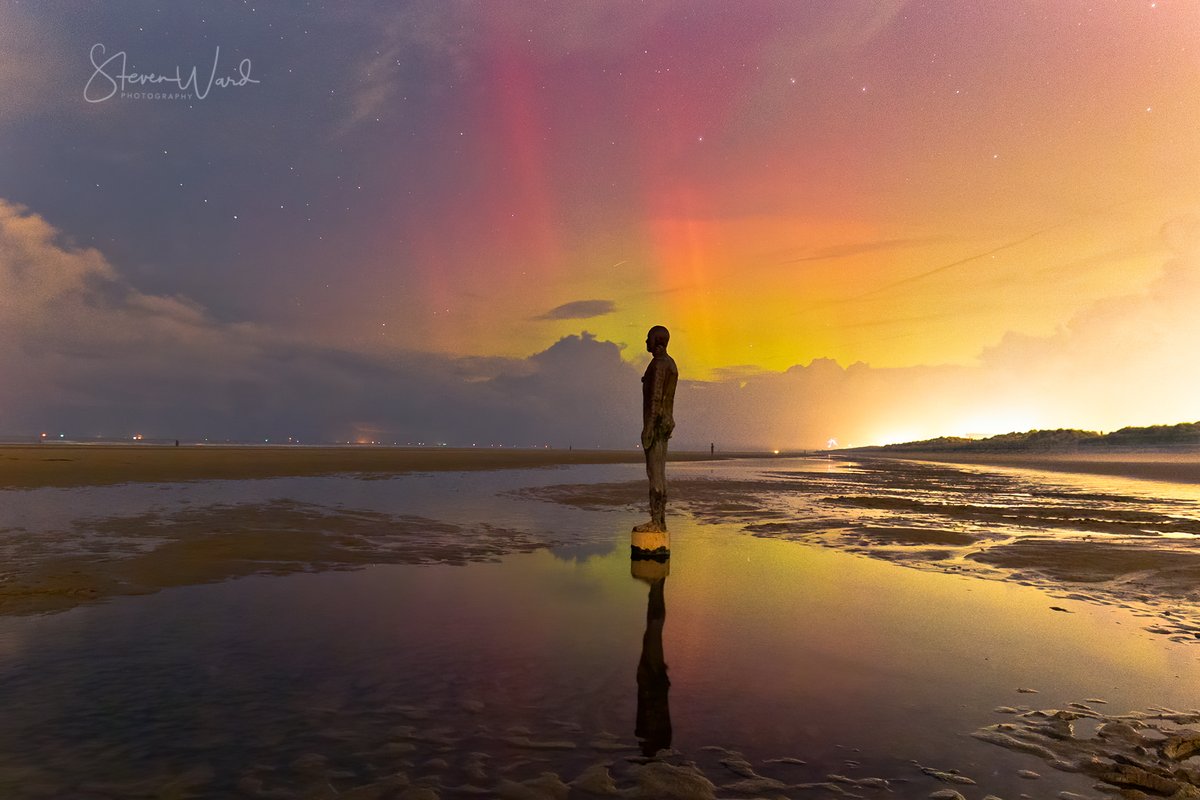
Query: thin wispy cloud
{"points": [[579, 309], [1015, 243], [857, 248]]}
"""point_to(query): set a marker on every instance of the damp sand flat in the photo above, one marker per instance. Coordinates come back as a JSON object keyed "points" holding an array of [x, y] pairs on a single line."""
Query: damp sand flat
{"points": [[1099, 539], [101, 464], [1171, 466], [494, 650]]}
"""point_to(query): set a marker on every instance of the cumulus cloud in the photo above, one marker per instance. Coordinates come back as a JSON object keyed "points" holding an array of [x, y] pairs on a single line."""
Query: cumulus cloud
{"points": [[580, 309], [89, 353], [1123, 360]]}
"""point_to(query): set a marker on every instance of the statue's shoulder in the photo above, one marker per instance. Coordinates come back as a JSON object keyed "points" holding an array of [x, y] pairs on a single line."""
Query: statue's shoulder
{"points": [[670, 364]]}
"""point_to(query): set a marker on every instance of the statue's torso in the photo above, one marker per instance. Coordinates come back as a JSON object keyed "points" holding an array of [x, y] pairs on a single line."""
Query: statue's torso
{"points": [[661, 417]]}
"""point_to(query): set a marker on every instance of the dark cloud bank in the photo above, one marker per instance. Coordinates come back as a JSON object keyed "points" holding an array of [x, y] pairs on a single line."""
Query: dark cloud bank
{"points": [[84, 351]]}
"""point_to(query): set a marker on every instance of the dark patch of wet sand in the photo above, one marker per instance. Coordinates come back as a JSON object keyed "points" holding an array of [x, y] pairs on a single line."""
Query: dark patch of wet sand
{"points": [[915, 536], [141, 554], [1174, 572]]}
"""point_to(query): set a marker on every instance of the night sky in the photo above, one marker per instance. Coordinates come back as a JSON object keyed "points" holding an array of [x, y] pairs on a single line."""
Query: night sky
{"points": [[450, 221]]}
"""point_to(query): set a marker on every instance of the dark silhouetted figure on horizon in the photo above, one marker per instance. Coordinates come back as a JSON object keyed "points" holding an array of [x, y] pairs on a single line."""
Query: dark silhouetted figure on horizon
{"points": [[658, 420]]}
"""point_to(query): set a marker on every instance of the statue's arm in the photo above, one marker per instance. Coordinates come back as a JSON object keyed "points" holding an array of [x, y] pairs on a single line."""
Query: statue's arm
{"points": [[670, 381], [651, 421]]}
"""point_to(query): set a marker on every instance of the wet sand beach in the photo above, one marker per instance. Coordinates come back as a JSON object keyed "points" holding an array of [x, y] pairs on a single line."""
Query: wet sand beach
{"points": [[1170, 466], [97, 465], [830, 629]]}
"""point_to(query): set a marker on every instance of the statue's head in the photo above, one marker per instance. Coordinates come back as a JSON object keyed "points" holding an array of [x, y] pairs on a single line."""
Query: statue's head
{"points": [[658, 335]]}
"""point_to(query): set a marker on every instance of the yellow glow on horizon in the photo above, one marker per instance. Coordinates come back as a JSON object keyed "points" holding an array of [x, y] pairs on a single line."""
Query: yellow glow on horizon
{"points": [[897, 437], [996, 422]]}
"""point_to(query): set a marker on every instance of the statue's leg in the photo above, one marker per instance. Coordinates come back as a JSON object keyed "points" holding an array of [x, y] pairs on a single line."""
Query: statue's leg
{"points": [[656, 472], [656, 468]]}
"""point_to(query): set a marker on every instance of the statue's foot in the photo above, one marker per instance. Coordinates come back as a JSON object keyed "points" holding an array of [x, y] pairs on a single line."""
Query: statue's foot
{"points": [[650, 527]]}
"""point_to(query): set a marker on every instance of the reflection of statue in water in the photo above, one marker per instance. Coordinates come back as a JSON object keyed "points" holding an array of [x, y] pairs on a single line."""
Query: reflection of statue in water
{"points": [[653, 706], [658, 401]]}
